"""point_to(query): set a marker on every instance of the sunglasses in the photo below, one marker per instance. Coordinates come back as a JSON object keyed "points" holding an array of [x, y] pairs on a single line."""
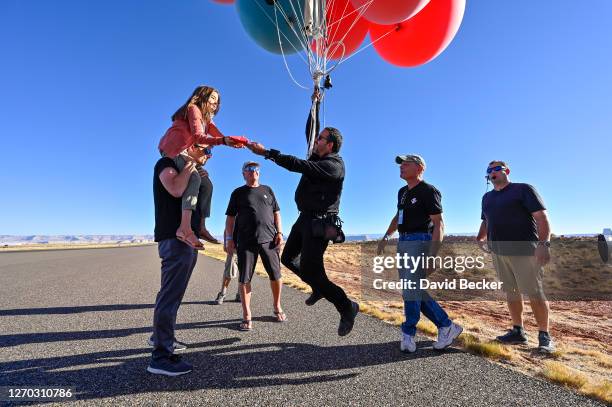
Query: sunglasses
{"points": [[496, 168], [205, 150], [251, 168]]}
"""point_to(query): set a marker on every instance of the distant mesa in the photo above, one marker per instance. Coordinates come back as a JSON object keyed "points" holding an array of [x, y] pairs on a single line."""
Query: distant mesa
{"points": [[11, 240]]}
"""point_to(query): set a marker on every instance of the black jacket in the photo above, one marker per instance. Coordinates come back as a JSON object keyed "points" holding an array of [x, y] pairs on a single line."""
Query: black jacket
{"points": [[320, 187]]}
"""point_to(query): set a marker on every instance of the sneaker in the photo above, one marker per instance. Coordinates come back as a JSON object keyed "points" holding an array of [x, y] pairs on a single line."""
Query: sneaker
{"points": [[177, 346], [516, 335], [172, 366], [314, 297], [347, 321], [407, 344], [545, 343], [238, 297], [220, 298], [446, 336]]}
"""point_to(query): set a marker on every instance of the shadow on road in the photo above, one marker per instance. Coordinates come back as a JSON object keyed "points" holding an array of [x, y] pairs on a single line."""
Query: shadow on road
{"points": [[220, 364], [87, 308], [45, 337]]}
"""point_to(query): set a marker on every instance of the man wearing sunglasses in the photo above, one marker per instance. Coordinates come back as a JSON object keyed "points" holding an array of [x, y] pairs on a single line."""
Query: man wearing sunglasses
{"points": [[253, 229], [318, 199], [516, 229]]}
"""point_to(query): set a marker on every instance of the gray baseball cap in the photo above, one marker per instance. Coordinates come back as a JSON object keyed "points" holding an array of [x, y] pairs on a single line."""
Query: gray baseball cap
{"points": [[410, 158]]}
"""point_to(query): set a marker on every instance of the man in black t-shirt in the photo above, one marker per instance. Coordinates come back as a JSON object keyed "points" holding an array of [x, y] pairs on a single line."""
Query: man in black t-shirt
{"points": [[516, 229], [419, 222], [178, 260], [253, 228]]}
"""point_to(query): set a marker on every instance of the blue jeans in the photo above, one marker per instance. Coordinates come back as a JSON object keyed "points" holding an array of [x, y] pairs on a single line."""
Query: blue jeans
{"points": [[417, 300]]}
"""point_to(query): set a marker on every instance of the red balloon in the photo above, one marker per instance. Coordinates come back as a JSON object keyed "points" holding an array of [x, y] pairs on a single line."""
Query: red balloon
{"points": [[422, 38], [345, 34], [390, 11], [224, 1]]}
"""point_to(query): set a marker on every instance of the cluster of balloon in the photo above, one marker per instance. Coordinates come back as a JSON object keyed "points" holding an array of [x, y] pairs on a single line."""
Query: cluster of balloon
{"points": [[405, 33]]}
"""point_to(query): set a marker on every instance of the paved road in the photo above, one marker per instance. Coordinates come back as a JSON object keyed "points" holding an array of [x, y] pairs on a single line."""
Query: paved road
{"points": [[81, 318]]}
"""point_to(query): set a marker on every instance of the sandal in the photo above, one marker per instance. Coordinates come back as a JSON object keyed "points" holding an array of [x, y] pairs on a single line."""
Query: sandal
{"points": [[280, 316], [246, 325], [190, 240]]}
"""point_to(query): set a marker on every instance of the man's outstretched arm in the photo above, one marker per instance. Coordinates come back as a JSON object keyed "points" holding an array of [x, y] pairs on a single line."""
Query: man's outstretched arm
{"points": [[327, 169]]}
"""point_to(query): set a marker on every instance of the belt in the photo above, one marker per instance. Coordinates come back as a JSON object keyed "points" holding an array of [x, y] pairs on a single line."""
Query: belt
{"points": [[404, 237], [322, 214]]}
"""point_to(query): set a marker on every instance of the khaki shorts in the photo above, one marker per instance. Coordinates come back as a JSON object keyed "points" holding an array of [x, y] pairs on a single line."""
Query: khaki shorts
{"points": [[231, 266], [520, 275]]}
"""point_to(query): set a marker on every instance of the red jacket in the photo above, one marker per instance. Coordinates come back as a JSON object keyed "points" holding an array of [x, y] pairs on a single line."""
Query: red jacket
{"points": [[185, 133]]}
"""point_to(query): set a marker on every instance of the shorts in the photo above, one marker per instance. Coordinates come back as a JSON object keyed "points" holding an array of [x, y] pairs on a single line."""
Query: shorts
{"points": [[247, 259], [521, 275], [231, 266]]}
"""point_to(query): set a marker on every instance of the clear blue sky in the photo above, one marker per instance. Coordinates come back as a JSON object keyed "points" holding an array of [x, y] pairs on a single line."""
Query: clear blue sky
{"points": [[88, 88]]}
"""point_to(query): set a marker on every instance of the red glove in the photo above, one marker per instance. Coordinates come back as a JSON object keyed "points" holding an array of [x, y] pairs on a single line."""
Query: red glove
{"points": [[214, 131]]}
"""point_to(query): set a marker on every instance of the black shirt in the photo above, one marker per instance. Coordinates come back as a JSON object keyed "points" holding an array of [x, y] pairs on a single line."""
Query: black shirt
{"points": [[509, 213], [254, 209], [168, 208], [415, 206], [320, 186]]}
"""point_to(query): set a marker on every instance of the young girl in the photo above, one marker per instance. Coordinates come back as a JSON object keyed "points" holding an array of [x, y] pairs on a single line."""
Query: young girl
{"points": [[192, 125]]}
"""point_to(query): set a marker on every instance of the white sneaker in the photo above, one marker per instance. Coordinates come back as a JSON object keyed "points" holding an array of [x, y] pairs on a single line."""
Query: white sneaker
{"points": [[407, 344], [220, 298], [447, 335]]}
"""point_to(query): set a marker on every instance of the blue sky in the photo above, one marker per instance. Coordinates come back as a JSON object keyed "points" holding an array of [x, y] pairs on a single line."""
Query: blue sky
{"points": [[88, 88]]}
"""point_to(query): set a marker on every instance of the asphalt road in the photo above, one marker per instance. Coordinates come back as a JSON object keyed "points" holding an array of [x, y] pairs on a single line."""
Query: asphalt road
{"points": [[81, 318]]}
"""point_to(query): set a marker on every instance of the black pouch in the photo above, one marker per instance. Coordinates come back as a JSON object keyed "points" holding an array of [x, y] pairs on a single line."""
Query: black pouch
{"points": [[328, 227]]}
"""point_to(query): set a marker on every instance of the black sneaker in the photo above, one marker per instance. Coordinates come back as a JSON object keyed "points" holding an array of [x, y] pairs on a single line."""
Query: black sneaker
{"points": [[545, 343], [347, 321], [172, 366], [177, 346], [314, 297], [514, 336]]}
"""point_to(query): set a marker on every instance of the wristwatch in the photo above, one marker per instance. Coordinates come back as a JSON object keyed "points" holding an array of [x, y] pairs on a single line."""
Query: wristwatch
{"points": [[544, 243]]}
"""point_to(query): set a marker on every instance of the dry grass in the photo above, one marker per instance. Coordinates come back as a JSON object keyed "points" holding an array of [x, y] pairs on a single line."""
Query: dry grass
{"points": [[601, 358], [601, 391], [559, 373], [393, 318], [491, 350]]}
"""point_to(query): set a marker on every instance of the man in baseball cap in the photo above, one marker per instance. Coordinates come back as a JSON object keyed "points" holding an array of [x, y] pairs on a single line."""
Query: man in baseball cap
{"points": [[418, 220], [412, 158]]}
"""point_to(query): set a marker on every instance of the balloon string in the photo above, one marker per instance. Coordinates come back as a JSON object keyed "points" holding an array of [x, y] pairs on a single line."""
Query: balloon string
{"points": [[278, 30], [367, 46], [283, 53], [360, 12]]}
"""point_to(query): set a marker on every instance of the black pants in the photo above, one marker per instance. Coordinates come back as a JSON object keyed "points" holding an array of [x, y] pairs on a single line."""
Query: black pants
{"points": [[205, 197], [177, 263], [303, 254]]}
